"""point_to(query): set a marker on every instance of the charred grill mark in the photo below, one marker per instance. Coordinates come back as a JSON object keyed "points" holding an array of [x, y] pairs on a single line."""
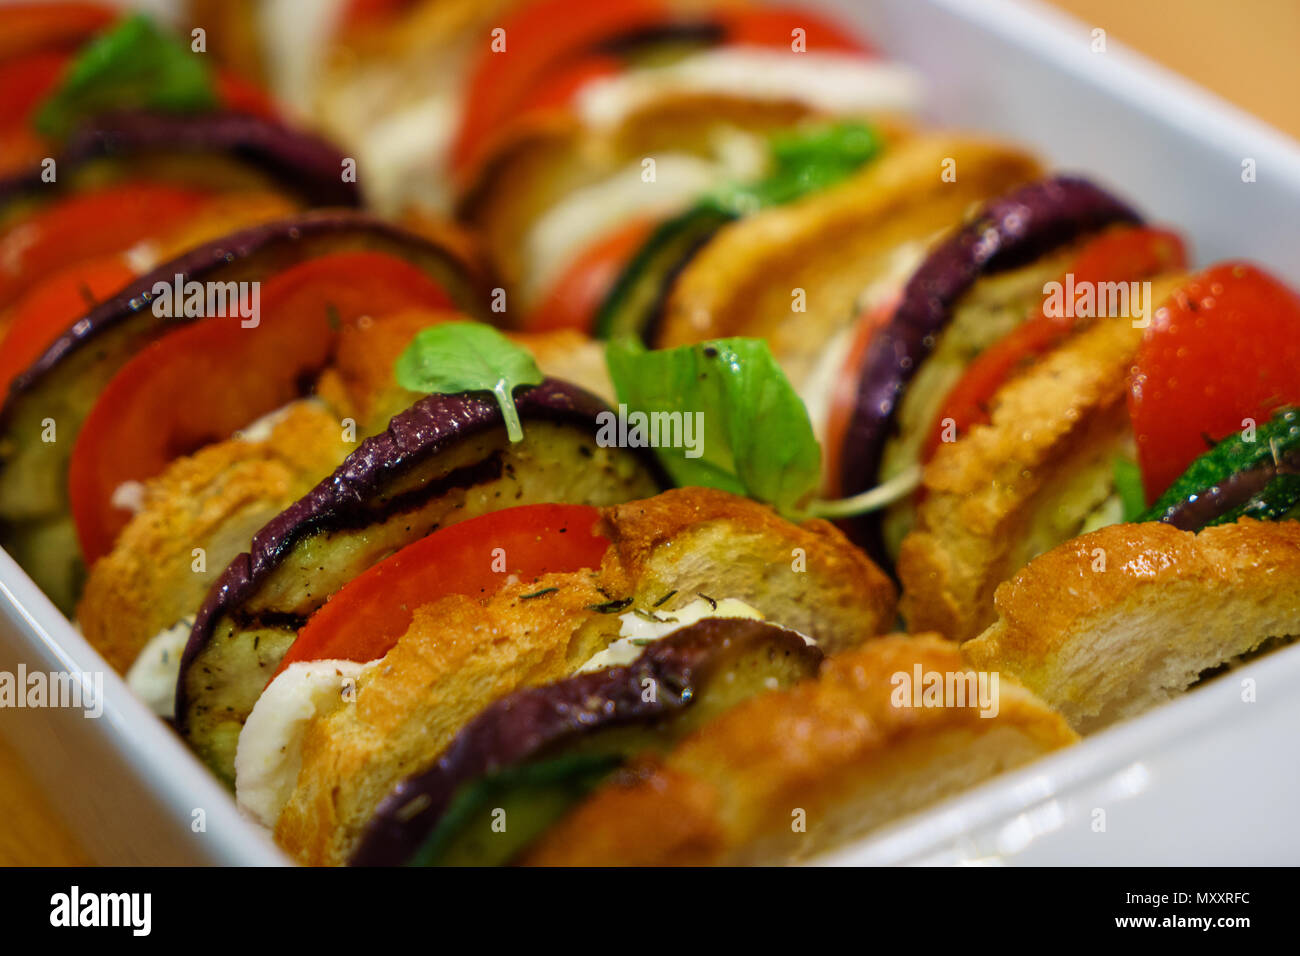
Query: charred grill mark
{"points": [[268, 620]]}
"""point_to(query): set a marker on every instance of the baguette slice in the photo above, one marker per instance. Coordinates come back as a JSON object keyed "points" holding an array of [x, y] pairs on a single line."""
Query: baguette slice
{"points": [[1114, 622], [1019, 485], [835, 753], [460, 654]]}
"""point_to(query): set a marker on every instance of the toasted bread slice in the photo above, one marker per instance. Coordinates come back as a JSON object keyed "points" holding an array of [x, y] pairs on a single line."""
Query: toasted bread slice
{"points": [[790, 773], [215, 501], [1021, 484], [833, 245], [1114, 622], [459, 655]]}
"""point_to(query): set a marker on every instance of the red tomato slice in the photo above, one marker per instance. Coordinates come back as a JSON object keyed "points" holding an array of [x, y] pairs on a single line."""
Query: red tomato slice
{"points": [[582, 287], [538, 37], [1119, 255], [845, 397], [1224, 348], [88, 225], [557, 90], [25, 81], [208, 379], [28, 27], [775, 26], [241, 96], [366, 617], [44, 313]]}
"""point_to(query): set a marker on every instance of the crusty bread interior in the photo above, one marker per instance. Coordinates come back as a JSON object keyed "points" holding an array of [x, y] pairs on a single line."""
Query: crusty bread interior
{"points": [[1114, 622]]}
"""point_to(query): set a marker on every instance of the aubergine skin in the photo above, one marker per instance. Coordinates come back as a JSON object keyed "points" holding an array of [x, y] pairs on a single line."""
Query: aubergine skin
{"points": [[533, 721], [64, 383], [238, 640], [300, 163], [1008, 232]]}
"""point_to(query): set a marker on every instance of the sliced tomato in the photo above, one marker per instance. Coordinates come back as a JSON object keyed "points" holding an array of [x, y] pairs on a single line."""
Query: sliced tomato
{"points": [[775, 26], [25, 81], [1126, 254], [1224, 348], [86, 225], [29, 27], [844, 399], [558, 89], [206, 380], [242, 96], [576, 296], [44, 313], [365, 618], [538, 37]]}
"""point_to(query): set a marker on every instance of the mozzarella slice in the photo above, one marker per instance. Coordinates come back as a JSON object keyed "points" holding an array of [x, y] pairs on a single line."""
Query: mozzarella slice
{"points": [[269, 754], [828, 82], [156, 669]]}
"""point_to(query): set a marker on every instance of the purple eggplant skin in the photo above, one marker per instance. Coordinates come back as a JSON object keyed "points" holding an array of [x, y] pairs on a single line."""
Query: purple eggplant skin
{"points": [[238, 640], [302, 164], [64, 383], [1008, 232], [533, 722]]}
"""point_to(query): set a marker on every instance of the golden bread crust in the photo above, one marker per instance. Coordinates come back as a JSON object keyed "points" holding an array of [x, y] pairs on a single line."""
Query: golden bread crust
{"points": [[992, 496], [829, 747], [1113, 622], [807, 577], [215, 500]]}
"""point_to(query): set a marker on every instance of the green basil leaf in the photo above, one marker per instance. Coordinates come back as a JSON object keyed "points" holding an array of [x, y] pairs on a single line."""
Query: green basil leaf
{"points": [[803, 162], [469, 357], [133, 66], [748, 430]]}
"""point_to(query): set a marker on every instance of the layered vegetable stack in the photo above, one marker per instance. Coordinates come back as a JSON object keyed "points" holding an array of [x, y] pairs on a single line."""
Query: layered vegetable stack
{"points": [[685, 459]]}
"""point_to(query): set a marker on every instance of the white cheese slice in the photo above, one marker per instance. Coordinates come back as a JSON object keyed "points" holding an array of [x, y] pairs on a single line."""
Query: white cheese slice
{"points": [[828, 82], [269, 754], [156, 669]]}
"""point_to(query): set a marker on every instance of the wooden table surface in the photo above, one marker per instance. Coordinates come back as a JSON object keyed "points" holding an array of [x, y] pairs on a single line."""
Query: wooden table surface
{"points": [[1244, 50]]}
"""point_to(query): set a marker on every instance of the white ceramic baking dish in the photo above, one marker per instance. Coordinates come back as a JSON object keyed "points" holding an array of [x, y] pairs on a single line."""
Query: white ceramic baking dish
{"points": [[1207, 779]]}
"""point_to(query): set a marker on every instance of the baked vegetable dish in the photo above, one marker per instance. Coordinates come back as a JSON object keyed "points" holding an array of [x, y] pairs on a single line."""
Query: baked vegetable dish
{"points": [[556, 432]]}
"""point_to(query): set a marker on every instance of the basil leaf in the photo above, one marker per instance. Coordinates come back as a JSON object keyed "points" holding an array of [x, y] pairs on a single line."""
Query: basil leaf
{"points": [[802, 162], [749, 431], [469, 357], [134, 66]]}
